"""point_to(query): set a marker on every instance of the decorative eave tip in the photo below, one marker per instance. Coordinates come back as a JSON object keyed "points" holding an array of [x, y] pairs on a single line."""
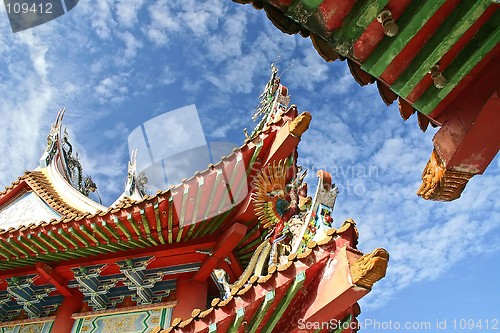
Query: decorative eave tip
{"points": [[59, 154], [135, 186], [65, 172], [370, 268], [52, 140], [300, 124]]}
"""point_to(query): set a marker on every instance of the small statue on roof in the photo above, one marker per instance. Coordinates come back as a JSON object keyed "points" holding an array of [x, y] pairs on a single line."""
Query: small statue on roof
{"points": [[278, 203]]}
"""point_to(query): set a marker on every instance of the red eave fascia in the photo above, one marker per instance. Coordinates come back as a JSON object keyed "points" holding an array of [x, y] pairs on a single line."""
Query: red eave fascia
{"points": [[13, 190]]}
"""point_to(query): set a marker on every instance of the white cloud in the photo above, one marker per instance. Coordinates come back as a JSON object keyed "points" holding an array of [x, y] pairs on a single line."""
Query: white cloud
{"points": [[100, 17], [127, 11], [132, 44], [112, 89], [27, 96], [169, 17], [229, 42], [309, 70]]}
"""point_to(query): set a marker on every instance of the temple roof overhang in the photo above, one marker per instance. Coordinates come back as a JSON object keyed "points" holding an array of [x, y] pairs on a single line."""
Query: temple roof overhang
{"points": [[55, 190], [200, 206], [438, 59], [246, 222]]}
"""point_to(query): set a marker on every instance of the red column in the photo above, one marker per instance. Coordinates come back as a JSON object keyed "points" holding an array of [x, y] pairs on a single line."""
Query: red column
{"points": [[71, 304], [190, 295]]}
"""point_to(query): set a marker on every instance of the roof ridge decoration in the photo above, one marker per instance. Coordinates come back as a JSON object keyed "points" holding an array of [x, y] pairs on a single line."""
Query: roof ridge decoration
{"points": [[303, 220], [370, 268], [273, 103], [135, 187], [59, 152], [40, 183], [295, 220], [440, 183]]}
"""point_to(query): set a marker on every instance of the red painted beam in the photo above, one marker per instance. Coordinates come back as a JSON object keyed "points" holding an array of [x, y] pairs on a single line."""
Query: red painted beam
{"points": [[469, 141], [54, 278], [226, 243], [335, 292], [283, 145], [190, 295], [470, 136]]}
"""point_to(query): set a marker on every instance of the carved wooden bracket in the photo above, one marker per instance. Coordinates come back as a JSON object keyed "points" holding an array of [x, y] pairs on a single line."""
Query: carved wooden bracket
{"points": [[441, 184], [370, 268], [300, 124]]}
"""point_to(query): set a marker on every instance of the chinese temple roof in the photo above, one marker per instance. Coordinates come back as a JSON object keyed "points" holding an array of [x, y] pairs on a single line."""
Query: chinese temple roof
{"points": [[244, 228], [182, 213], [259, 300], [438, 59]]}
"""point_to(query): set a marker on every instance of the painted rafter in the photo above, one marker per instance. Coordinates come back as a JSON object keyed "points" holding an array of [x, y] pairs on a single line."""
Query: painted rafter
{"points": [[226, 244]]}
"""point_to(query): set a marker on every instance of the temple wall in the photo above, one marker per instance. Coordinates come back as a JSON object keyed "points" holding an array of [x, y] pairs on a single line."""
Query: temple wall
{"points": [[130, 322]]}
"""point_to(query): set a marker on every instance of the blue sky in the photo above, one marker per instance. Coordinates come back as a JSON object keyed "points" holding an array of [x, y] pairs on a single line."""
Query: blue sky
{"points": [[116, 64]]}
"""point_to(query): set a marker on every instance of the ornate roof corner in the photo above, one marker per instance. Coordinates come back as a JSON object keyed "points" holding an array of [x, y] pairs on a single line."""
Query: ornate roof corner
{"points": [[318, 219], [52, 140], [59, 153], [296, 222], [300, 124], [370, 268], [64, 172], [135, 187], [273, 103], [438, 83], [283, 208], [440, 183]]}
